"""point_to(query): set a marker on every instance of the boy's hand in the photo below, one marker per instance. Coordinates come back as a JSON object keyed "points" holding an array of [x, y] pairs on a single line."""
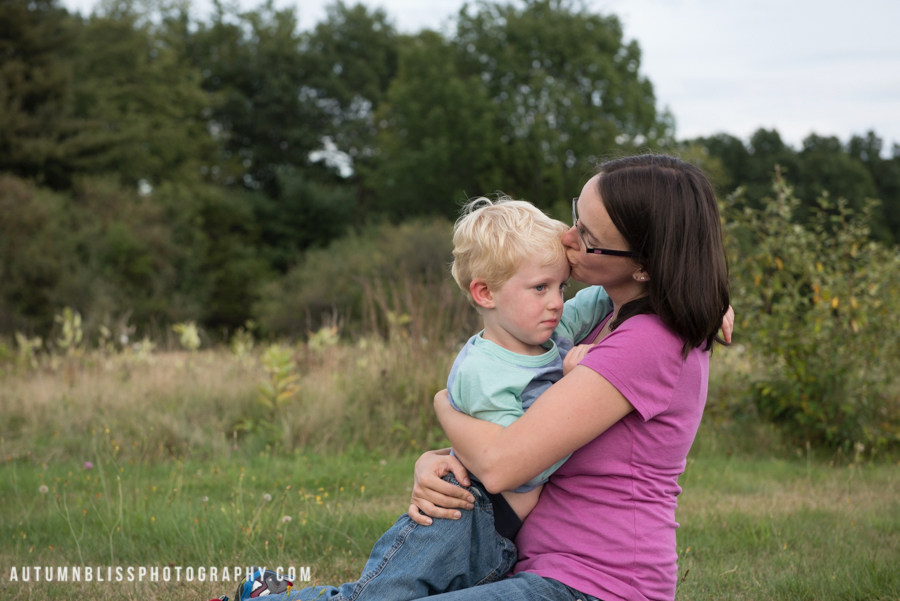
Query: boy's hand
{"points": [[574, 357], [434, 496], [727, 325]]}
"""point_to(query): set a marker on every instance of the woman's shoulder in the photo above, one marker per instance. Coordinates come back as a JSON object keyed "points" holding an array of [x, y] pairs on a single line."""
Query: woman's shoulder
{"points": [[641, 340], [648, 326], [644, 360]]}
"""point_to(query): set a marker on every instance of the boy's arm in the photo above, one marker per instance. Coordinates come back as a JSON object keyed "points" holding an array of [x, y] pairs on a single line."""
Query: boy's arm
{"points": [[581, 314]]}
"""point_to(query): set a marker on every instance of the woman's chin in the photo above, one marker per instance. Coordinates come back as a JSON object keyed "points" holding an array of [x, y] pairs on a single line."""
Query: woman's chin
{"points": [[579, 275]]}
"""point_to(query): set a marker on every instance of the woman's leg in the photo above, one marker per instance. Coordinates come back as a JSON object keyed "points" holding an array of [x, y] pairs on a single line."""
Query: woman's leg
{"points": [[411, 561], [521, 587]]}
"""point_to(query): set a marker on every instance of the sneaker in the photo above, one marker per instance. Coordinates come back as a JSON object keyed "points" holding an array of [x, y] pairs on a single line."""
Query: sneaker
{"points": [[262, 584]]}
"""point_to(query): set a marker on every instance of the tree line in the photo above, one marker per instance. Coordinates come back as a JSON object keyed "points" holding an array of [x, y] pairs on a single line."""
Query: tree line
{"points": [[157, 167]]}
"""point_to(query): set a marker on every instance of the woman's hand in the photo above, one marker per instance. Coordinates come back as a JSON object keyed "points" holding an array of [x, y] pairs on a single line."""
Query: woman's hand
{"points": [[574, 357], [433, 496], [727, 325]]}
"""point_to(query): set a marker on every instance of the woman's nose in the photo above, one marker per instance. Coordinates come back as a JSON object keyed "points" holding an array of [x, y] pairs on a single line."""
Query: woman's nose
{"points": [[570, 239]]}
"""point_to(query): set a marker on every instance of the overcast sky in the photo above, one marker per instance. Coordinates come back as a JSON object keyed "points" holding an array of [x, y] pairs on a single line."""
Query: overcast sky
{"points": [[800, 66]]}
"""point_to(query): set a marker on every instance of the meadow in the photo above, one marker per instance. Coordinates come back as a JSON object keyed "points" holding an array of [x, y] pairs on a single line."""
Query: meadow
{"points": [[175, 459]]}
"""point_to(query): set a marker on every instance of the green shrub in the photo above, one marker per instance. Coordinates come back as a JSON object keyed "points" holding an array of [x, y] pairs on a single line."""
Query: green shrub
{"points": [[819, 306], [332, 281]]}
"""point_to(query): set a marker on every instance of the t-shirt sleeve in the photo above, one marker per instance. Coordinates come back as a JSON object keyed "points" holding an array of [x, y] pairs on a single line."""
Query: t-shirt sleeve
{"points": [[642, 358], [485, 393], [582, 313]]}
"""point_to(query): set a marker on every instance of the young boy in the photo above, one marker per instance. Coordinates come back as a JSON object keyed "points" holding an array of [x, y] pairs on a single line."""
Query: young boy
{"points": [[510, 262]]}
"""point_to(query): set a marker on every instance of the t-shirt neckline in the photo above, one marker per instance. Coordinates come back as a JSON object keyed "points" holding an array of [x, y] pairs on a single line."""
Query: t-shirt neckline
{"points": [[591, 338]]}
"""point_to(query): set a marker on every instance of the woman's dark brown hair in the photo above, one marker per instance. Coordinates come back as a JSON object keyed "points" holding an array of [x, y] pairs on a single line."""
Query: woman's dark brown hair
{"points": [[667, 212]]}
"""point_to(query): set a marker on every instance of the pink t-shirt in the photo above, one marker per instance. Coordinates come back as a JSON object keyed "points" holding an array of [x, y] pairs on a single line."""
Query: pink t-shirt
{"points": [[605, 523]]}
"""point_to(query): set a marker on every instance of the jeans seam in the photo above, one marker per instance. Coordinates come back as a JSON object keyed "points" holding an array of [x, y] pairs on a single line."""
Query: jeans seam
{"points": [[505, 544], [483, 501], [367, 578]]}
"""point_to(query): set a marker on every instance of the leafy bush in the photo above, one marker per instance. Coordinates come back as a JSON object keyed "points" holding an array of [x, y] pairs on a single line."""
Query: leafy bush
{"points": [[101, 249], [819, 305], [333, 280]]}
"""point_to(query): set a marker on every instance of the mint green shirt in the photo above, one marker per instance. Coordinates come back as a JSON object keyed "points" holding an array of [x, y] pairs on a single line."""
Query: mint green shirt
{"points": [[492, 383]]}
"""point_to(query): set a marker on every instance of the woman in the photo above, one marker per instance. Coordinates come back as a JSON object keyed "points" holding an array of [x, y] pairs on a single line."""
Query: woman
{"points": [[628, 413], [605, 523]]}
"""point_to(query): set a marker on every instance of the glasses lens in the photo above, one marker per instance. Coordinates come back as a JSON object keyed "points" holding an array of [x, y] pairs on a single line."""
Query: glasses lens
{"points": [[575, 223]]}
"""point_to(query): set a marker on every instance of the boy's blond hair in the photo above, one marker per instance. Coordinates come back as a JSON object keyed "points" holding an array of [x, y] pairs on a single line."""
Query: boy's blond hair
{"points": [[493, 238]]}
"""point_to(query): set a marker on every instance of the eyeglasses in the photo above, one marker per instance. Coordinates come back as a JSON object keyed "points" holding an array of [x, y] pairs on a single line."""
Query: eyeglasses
{"points": [[597, 251]]}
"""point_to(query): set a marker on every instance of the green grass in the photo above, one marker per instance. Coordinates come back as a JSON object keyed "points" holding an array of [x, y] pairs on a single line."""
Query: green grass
{"points": [[197, 513], [762, 528], [760, 519], [751, 527]]}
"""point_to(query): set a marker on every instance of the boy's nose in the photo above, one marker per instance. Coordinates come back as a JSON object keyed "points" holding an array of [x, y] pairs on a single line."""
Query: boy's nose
{"points": [[557, 302]]}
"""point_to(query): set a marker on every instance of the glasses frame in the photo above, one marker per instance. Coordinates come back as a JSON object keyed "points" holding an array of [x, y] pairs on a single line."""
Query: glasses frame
{"points": [[598, 251]]}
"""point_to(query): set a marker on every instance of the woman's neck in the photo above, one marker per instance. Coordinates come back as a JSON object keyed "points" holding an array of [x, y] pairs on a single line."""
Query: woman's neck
{"points": [[622, 295]]}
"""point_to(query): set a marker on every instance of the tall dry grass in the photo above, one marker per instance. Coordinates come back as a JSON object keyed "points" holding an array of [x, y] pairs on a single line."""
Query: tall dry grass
{"points": [[373, 391]]}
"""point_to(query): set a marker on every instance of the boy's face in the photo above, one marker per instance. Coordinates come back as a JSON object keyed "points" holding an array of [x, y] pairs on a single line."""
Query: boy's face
{"points": [[528, 307]]}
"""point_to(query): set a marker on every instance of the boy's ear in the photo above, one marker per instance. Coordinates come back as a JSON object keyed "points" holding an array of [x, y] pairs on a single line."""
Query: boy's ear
{"points": [[481, 294]]}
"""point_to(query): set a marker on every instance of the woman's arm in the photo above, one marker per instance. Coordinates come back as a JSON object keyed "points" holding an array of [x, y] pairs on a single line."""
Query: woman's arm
{"points": [[571, 413]]}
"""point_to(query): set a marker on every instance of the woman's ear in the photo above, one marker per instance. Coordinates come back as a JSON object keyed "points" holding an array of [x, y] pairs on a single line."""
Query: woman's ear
{"points": [[640, 275], [481, 293]]}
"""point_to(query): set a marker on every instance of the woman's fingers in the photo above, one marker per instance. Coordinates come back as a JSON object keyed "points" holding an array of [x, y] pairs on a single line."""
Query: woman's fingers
{"points": [[438, 492], [728, 324], [434, 496], [430, 511], [460, 473], [428, 481], [417, 516], [439, 501]]}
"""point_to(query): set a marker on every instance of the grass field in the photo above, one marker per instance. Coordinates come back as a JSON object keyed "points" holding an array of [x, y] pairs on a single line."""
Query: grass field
{"points": [[168, 486]]}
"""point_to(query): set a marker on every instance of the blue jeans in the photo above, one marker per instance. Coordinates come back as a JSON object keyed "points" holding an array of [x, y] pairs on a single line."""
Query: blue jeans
{"points": [[450, 556], [411, 561]]}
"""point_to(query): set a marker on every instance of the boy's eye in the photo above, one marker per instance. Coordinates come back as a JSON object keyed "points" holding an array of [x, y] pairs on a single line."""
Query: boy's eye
{"points": [[540, 287]]}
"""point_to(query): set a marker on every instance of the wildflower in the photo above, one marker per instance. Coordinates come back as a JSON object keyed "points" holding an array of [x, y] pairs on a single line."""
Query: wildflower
{"points": [[267, 497], [88, 465], [285, 519], [383, 462], [206, 499], [43, 489]]}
